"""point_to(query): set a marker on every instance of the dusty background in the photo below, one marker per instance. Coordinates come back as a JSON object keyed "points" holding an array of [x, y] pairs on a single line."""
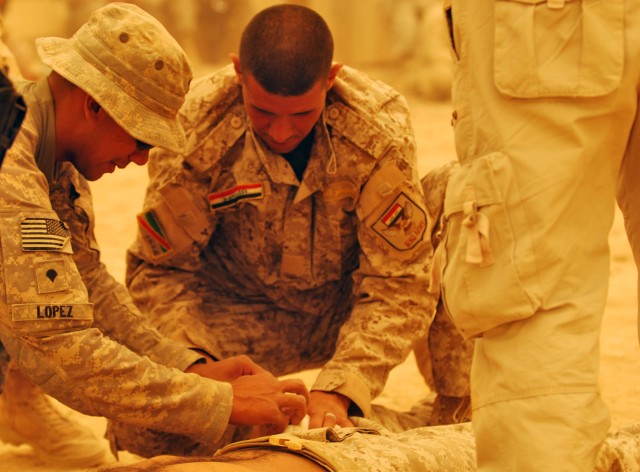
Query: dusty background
{"points": [[404, 49]]}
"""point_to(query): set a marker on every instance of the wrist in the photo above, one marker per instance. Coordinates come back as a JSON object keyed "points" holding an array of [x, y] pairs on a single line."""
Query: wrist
{"points": [[201, 362]]}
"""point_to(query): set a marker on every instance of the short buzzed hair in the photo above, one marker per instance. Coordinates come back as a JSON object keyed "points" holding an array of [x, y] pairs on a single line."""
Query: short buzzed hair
{"points": [[287, 49]]}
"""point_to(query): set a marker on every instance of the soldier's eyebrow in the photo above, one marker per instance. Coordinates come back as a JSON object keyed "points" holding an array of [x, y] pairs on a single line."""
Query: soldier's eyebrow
{"points": [[268, 112]]}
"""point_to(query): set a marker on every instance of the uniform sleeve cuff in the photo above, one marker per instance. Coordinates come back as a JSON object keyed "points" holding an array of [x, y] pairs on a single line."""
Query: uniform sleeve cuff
{"points": [[181, 358], [222, 412], [347, 384]]}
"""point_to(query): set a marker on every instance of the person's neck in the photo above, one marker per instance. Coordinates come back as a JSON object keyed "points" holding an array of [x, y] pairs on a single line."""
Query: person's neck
{"points": [[59, 89], [299, 158]]}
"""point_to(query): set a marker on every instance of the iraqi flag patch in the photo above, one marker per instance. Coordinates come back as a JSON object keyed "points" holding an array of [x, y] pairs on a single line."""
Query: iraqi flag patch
{"points": [[153, 233], [402, 224], [230, 197]]}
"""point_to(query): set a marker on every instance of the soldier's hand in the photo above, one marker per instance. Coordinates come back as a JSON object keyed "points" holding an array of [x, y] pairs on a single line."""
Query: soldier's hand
{"points": [[225, 370], [262, 399], [328, 409]]}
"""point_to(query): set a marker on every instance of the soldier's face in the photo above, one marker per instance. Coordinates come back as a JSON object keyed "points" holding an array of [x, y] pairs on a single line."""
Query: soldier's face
{"points": [[104, 147], [282, 122]]}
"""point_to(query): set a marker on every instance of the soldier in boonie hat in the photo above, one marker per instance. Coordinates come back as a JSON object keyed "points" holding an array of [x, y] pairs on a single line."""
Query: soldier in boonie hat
{"points": [[128, 62], [114, 91]]}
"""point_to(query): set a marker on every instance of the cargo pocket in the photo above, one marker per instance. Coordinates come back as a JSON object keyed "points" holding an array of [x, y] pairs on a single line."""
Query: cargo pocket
{"points": [[489, 269], [558, 48]]}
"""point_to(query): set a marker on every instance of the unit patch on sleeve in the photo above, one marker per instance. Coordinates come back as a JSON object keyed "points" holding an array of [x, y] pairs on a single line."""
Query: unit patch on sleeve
{"points": [[235, 194], [153, 233], [402, 224], [45, 234]]}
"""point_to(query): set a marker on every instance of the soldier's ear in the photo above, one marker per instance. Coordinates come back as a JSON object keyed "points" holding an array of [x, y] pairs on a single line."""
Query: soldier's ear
{"points": [[236, 66], [333, 72], [92, 108]]}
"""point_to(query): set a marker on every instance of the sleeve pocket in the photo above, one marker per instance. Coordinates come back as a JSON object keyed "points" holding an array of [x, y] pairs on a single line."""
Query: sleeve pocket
{"points": [[565, 48]]}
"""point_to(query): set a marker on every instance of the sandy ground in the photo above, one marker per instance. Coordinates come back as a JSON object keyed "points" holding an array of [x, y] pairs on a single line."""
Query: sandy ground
{"points": [[118, 197]]}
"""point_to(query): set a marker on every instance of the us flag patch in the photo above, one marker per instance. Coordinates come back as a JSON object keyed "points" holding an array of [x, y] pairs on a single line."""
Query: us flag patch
{"points": [[235, 194], [44, 234], [154, 233], [402, 224]]}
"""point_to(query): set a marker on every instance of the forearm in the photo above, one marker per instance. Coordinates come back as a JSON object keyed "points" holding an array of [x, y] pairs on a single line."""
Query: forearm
{"points": [[117, 317], [393, 306], [379, 335], [97, 376], [172, 300]]}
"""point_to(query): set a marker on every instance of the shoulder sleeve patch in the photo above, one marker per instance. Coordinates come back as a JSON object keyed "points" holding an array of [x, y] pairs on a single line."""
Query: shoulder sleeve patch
{"points": [[154, 234], [402, 224], [45, 234]]}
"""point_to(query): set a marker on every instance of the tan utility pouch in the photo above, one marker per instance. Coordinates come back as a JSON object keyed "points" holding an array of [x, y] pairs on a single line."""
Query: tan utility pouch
{"points": [[489, 269]]}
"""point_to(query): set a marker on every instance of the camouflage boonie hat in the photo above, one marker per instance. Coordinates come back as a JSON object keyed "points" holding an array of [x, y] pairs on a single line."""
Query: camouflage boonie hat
{"points": [[130, 64]]}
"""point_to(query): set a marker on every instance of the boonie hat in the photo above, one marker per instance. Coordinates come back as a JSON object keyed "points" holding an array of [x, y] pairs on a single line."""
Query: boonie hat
{"points": [[129, 63]]}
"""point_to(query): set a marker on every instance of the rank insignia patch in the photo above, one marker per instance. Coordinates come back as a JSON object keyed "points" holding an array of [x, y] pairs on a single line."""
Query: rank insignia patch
{"points": [[51, 276], [45, 234], [154, 233], [402, 224], [236, 194]]}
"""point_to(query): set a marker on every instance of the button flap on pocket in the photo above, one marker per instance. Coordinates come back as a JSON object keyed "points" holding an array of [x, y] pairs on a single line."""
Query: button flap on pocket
{"points": [[544, 50], [478, 175]]}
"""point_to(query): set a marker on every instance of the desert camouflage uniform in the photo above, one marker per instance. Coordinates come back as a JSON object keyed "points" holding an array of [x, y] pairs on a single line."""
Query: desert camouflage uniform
{"points": [[236, 256], [443, 355], [371, 448], [46, 318]]}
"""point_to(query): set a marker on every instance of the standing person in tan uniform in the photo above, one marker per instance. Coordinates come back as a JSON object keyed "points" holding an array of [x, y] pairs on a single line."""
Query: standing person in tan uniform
{"points": [[114, 92], [546, 118], [293, 227]]}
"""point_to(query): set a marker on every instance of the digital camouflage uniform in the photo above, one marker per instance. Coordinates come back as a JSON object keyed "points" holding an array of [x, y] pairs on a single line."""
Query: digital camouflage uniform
{"points": [[236, 256], [370, 447], [47, 319], [442, 354], [451, 448], [7, 63], [9, 70], [47, 315]]}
